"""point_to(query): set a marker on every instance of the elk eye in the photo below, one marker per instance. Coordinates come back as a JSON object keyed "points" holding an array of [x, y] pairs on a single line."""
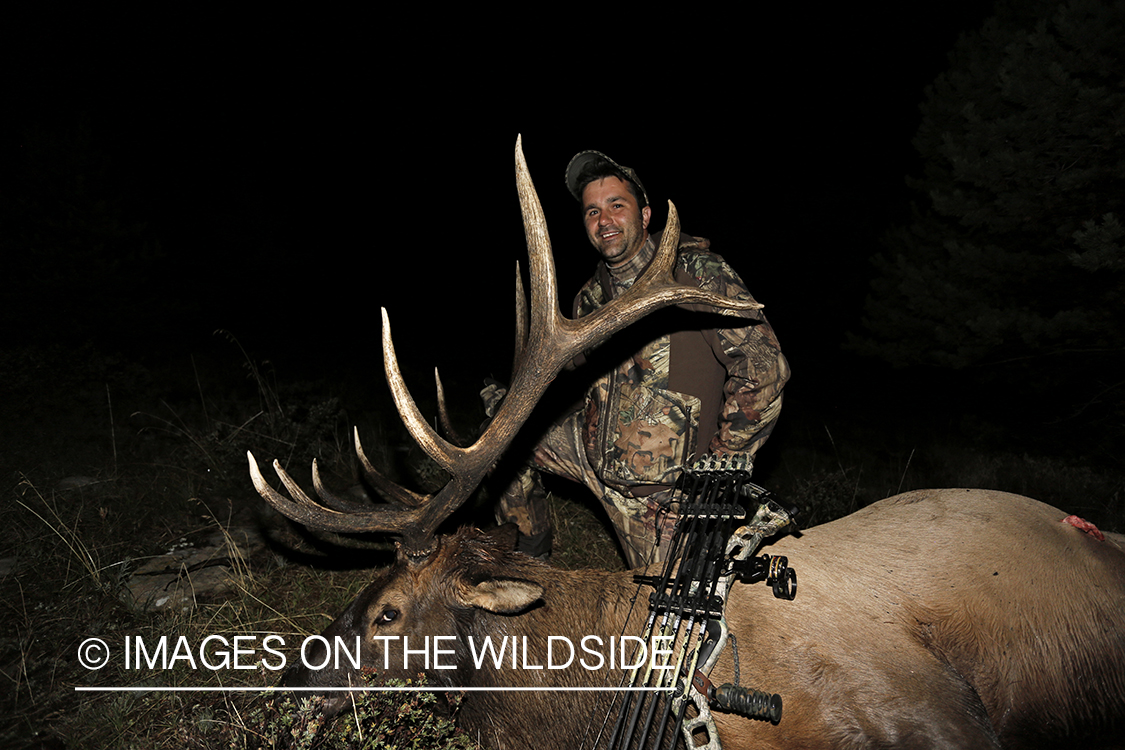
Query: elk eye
{"points": [[388, 615]]}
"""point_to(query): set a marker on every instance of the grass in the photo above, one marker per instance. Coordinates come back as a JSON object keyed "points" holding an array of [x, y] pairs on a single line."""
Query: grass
{"points": [[92, 494], [31, 500]]}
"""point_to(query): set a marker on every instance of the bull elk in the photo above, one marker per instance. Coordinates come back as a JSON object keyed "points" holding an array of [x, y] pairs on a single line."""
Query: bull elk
{"points": [[948, 618]]}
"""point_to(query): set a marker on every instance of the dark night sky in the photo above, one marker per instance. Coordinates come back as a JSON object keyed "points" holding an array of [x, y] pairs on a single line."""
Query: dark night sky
{"points": [[300, 172]]}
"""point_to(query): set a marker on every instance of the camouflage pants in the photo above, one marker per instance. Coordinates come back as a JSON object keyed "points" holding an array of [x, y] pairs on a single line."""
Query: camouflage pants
{"points": [[643, 524]]}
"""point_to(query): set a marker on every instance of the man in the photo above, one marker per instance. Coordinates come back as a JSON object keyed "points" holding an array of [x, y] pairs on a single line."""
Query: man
{"points": [[685, 393]]}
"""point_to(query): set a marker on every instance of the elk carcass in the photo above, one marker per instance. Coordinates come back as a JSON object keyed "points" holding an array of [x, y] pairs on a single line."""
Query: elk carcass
{"points": [[935, 619]]}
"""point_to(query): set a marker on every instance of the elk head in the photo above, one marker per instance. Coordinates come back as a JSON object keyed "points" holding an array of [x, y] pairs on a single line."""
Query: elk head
{"points": [[428, 571], [468, 576]]}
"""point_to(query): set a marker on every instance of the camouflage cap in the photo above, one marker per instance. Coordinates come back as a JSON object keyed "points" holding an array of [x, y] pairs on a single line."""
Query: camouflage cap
{"points": [[584, 159]]}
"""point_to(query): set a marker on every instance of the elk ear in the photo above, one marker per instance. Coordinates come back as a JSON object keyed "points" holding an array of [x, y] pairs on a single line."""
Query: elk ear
{"points": [[505, 596]]}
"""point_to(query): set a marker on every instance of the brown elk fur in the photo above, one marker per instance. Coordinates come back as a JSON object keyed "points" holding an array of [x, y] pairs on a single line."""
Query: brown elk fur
{"points": [[934, 619]]}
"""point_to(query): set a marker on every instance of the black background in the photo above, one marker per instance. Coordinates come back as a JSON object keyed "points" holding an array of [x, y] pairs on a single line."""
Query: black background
{"points": [[300, 171]]}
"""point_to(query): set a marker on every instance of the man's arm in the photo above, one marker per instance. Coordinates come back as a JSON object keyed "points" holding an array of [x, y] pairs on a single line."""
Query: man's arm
{"points": [[756, 369], [756, 374]]}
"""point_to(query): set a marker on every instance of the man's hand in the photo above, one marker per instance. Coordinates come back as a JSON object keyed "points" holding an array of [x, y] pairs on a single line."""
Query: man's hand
{"points": [[492, 394]]}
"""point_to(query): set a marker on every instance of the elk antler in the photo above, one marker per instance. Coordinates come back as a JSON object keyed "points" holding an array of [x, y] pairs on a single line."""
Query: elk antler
{"points": [[544, 346]]}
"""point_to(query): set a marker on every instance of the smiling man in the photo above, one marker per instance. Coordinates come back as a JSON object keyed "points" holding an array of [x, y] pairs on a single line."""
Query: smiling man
{"points": [[688, 391], [616, 225]]}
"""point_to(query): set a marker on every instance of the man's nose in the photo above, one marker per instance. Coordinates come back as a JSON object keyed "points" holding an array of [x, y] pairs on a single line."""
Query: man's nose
{"points": [[603, 219]]}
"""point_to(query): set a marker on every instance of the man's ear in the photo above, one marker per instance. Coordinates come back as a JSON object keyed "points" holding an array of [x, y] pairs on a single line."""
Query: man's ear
{"points": [[646, 214]]}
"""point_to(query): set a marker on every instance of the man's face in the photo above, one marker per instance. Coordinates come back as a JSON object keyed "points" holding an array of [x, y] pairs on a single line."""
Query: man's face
{"points": [[616, 227]]}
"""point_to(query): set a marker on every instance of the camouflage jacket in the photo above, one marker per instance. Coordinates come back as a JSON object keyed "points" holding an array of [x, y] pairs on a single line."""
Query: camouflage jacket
{"points": [[687, 391]]}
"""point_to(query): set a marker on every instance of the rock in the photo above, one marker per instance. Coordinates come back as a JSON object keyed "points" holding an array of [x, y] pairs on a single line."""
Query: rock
{"points": [[179, 579]]}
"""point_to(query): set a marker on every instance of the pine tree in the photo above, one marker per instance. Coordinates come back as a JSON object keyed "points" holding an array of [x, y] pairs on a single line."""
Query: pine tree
{"points": [[1015, 263]]}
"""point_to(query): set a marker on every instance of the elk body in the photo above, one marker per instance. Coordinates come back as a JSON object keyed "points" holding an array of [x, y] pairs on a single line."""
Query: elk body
{"points": [[934, 619]]}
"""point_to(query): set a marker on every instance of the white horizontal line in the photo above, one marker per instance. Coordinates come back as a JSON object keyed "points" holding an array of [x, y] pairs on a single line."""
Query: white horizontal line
{"points": [[426, 689]]}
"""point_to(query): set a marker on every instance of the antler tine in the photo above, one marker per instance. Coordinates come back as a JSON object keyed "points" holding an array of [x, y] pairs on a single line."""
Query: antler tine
{"points": [[662, 274], [427, 438], [331, 500], [545, 316], [443, 414], [381, 483], [466, 465], [521, 322]]}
